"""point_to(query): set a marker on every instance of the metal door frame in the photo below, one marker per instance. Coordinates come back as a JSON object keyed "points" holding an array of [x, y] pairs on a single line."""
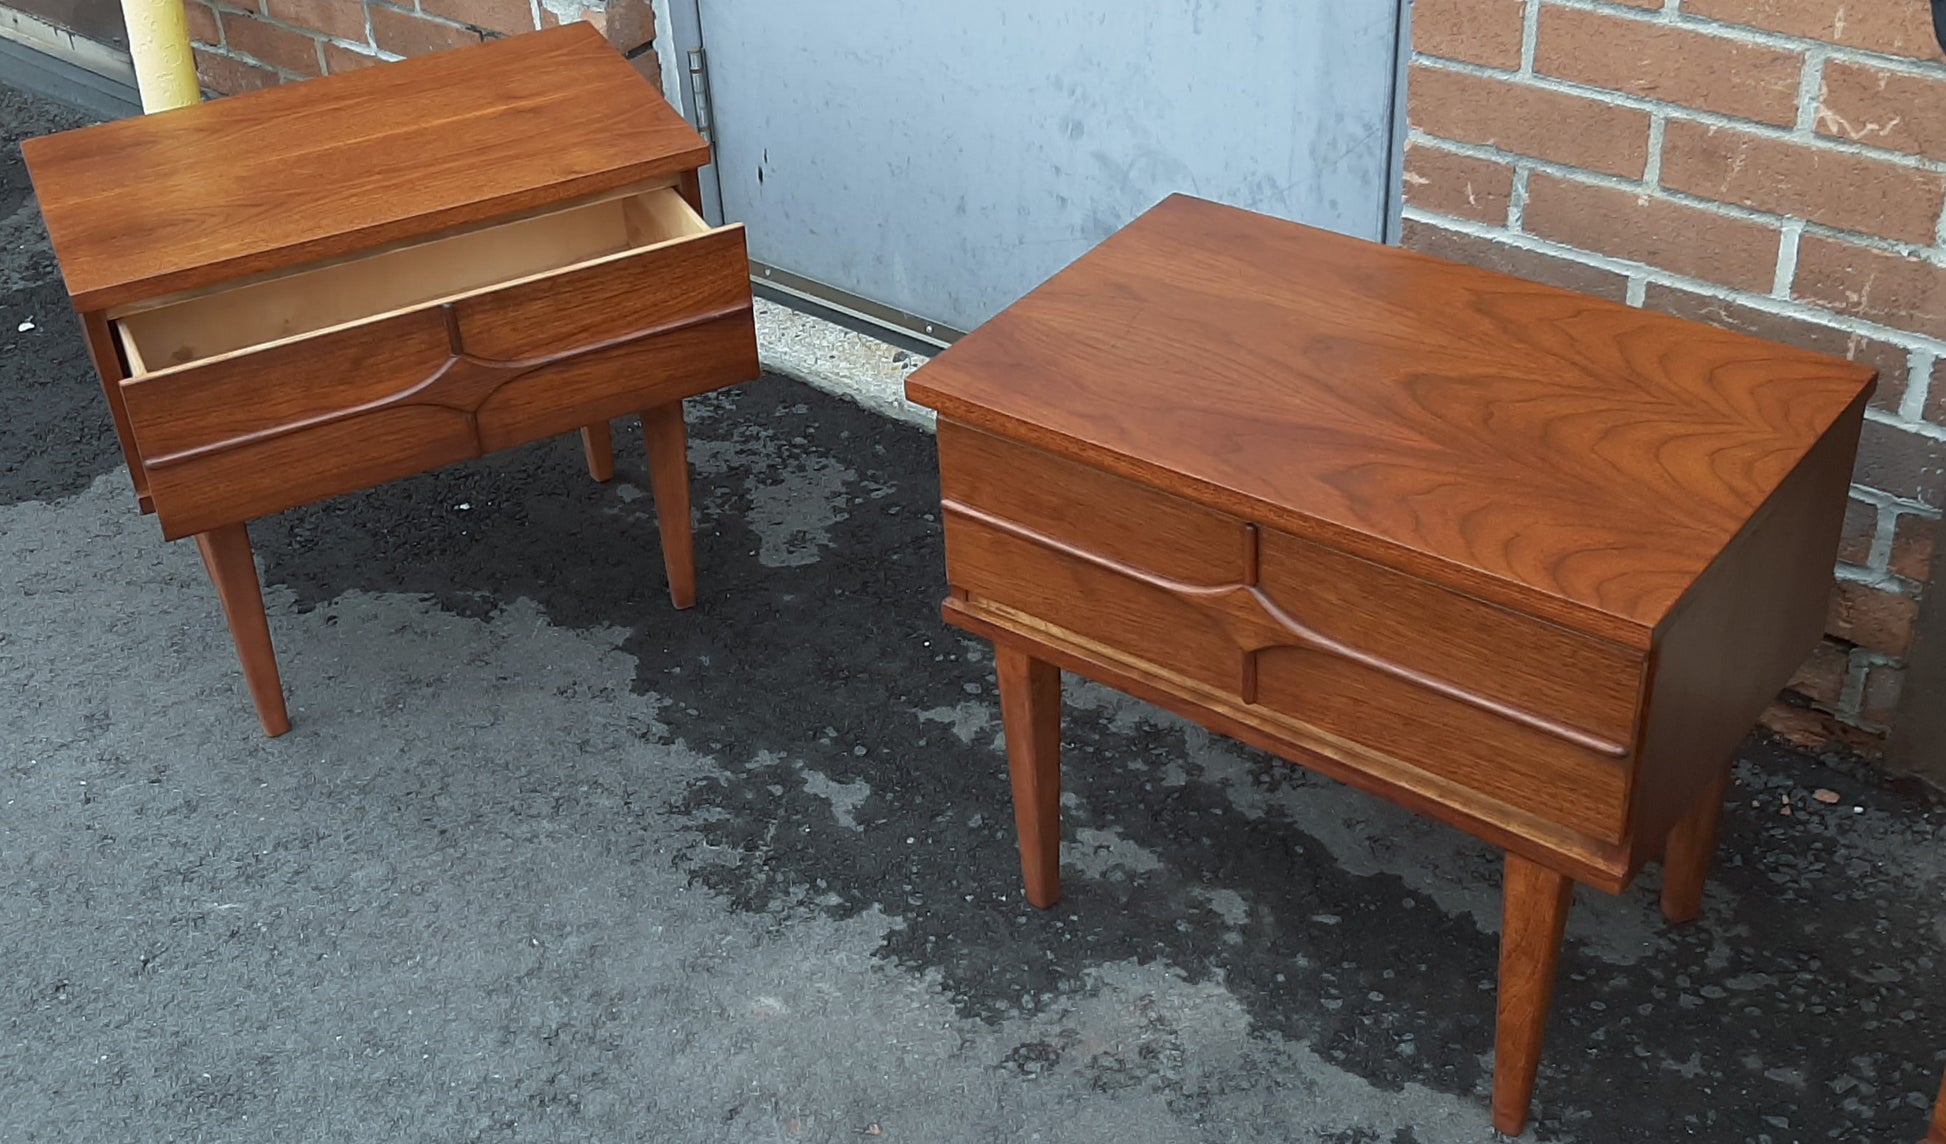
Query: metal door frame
{"points": [[685, 83]]}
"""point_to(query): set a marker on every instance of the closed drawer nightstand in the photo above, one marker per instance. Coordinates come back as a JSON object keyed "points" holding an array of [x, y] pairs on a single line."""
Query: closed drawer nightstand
{"points": [[1529, 562], [318, 288]]}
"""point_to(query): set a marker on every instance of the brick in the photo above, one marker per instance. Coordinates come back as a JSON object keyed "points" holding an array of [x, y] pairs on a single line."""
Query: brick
{"points": [[1801, 727], [1871, 617], [1531, 265], [1821, 678], [647, 65], [409, 34], [1861, 527], [344, 19], [339, 59], [1669, 62], [229, 75], [1877, 285], [1814, 730], [1879, 703], [1935, 410], [1486, 32], [204, 28], [627, 24], [1896, 27], [1895, 110], [1836, 188], [1459, 185], [1890, 360], [279, 47], [1898, 461], [1658, 232], [1529, 120], [508, 17], [1912, 546]]}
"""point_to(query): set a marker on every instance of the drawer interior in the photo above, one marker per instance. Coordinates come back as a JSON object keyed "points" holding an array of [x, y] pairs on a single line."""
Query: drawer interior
{"points": [[210, 324]]}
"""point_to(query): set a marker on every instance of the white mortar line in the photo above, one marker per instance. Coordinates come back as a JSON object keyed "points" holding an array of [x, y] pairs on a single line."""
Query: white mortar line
{"points": [[1879, 498], [1810, 92], [1786, 308], [1757, 36], [1918, 383], [1885, 581], [1530, 36], [1680, 111], [1917, 428], [1652, 172], [1933, 254], [1517, 202], [1787, 259], [1879, 558], [1638, 289], [1851, 698]]}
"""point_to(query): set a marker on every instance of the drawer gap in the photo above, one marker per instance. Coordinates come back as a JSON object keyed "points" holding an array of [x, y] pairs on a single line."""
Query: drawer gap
{"points": [[244, 317]]}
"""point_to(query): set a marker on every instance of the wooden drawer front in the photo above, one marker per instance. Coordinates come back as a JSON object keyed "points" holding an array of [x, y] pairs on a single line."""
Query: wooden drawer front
{"points": [[1133, 616], [1514, 763], [261, 428], [255, 433], [1500, 658], [1524, 713], [636, 332], [1097, 512]]}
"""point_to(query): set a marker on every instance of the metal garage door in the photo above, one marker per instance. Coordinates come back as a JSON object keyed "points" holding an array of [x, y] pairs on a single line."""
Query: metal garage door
{"points": [[929, 163]]}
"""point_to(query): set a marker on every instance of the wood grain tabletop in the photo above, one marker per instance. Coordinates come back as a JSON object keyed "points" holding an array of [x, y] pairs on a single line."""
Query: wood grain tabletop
{"points": [[160, 203], [1577, 457]]}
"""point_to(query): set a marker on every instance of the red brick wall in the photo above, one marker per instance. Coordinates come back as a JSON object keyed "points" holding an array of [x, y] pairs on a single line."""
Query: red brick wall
{"points": [[246, 44], [1777, 166]]}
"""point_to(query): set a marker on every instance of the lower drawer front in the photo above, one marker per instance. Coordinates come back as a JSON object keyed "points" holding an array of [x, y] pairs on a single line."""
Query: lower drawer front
{"points": [[1513, 763], [261, 429], [1382, 661]]}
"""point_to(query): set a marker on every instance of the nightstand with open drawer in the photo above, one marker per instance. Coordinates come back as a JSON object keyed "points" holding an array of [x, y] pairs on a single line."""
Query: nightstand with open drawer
{"points": [[1528, 562], [319, 288]]}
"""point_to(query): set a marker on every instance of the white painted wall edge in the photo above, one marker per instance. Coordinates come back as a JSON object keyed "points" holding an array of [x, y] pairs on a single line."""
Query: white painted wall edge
{"points": [[673, 73], [827, 356]]}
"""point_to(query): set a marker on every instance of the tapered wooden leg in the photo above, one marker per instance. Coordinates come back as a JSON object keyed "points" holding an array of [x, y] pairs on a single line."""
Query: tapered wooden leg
{"points": [[1938, 1133], [1030, 708], [668, 445], [598, 446], [1530, 947], [226, 554], [1687, 855]]}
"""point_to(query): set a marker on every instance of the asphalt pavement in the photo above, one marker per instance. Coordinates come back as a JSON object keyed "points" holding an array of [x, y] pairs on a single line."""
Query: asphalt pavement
{"points": [[543, 859]]}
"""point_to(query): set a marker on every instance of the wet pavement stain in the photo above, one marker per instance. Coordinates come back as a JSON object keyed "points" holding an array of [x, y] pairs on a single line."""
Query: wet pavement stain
{"points": [[862, 770]]}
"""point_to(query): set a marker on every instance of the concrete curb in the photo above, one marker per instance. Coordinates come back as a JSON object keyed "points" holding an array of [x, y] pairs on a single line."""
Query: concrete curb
{"points": [[839, 361]]}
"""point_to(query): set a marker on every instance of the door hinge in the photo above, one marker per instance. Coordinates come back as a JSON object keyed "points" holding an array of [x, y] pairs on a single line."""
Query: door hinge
{"points": [[699, 95]]}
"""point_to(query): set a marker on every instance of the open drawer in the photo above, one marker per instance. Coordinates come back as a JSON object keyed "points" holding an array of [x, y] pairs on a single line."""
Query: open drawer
{"points": [[262, 395]]}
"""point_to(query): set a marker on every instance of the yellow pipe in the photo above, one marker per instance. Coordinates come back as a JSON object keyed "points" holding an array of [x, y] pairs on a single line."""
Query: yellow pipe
{"points": [[158, 41]]}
